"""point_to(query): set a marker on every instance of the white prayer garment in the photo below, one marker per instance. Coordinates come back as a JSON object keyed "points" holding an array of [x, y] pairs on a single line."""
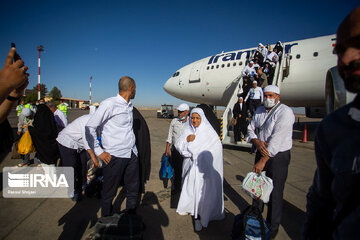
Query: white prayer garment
{"points": [[202, 182]]}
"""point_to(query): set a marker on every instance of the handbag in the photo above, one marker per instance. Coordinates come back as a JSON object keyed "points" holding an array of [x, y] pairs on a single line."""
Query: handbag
{"points": [[258, 186], [25, 145], [234, 121]]}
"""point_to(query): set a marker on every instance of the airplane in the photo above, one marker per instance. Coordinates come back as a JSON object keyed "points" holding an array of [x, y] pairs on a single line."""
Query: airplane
{"points": [[306, 75]]}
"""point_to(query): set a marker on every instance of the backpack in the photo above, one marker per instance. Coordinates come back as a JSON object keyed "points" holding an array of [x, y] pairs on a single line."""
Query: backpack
{"points": [[250, 225], [120, 226]]}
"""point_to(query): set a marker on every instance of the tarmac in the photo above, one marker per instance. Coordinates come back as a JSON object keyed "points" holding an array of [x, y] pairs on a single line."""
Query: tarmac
{"points": [[52, 218]]}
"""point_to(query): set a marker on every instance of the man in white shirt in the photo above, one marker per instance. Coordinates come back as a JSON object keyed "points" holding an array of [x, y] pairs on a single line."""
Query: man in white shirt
{"points": [[73, 149], [249, 70], [60, 117], [270, 130], [175, 130], [255, 97], [119, 153]]}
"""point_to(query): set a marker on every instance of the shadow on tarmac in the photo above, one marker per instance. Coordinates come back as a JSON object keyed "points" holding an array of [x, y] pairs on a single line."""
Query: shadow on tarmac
{"points": [[77, 219], [153, 215]]}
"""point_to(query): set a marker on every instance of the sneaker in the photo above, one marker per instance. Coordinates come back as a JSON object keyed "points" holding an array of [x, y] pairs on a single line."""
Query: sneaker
{"points": [[183, 213], [198, 225]]}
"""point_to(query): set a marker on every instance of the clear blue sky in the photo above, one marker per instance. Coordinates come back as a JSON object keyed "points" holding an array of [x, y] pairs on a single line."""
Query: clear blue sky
{"points": [[148, 40]]}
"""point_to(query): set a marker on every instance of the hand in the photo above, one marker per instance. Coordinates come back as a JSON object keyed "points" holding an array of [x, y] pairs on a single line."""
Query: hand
{"points": [[260, 146], [18, 92], [259, 166], [105, 157], [239, 115], [167, 152], [190, 138], [13, 75], [18, 133], [96, 162]]}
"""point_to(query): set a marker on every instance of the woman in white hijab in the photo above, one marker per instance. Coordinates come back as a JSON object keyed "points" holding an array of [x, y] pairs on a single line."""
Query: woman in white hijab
{"points": [[202, 179]]}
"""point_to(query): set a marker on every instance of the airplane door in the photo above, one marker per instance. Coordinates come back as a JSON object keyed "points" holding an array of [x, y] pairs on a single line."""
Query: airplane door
{"points": [[195, 73]]}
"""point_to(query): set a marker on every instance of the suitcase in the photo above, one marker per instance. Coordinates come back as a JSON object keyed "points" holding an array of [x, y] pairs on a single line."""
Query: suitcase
{"points": [[120, 226]]}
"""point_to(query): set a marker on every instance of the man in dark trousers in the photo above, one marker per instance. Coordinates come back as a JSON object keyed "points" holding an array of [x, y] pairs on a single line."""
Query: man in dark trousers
{"points": [[175, 130], [240, 114], [333, 206], [119, 153], [270, 130]]}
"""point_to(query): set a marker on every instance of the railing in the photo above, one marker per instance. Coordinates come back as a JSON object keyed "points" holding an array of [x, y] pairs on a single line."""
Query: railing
{"points": [[227, 115]]}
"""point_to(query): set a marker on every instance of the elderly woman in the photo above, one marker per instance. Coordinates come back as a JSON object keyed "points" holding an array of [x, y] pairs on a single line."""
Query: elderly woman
{"points": [[202, 179]]}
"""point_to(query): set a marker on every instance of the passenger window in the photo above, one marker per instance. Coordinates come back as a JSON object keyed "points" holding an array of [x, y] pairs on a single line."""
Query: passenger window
{"points": [[316, 54], [212, 67], [228, 64], [222, 65], [234, 64], [217, 66], [290, 57], [240, 63], [298, 56], [207, 68]]}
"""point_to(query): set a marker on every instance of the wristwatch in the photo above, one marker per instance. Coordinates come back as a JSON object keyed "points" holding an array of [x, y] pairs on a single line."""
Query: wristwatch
{"points": [[10, 98]]}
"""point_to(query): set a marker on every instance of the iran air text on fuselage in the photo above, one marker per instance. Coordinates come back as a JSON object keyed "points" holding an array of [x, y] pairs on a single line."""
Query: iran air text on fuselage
{"points": [[230, 56]]}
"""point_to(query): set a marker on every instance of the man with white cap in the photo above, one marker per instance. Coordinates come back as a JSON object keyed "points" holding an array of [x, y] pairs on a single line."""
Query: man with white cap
{"points": [[270, 131], [175, 130], [74, 150], [255, 96], [241, 116], [249, 70]]}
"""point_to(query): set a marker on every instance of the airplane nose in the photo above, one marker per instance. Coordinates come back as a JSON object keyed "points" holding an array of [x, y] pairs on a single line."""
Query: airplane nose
{"points": [[171, 86]]}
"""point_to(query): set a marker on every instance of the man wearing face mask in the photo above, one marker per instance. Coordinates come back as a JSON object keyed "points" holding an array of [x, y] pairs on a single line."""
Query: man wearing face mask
{"points": [[270, 131], [175, 130], [333, 206]]}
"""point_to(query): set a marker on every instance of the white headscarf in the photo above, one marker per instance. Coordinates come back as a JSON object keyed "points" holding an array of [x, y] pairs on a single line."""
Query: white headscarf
{"points": [[202, 191], [203, 134]]}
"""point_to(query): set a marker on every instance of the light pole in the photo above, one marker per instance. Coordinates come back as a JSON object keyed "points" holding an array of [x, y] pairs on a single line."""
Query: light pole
{"points": [[40, 49], [90, 90]]}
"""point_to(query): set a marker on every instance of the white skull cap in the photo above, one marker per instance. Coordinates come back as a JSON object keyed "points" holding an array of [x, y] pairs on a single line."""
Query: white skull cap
{"points": [[272, 88], [183, 107]]}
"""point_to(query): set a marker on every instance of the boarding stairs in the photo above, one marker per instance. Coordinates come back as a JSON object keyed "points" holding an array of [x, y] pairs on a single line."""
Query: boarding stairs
{"points": [[227, 134]]}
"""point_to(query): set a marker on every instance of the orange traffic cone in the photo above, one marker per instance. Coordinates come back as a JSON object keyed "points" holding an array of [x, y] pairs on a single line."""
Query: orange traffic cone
{"points": [[305, 134]]}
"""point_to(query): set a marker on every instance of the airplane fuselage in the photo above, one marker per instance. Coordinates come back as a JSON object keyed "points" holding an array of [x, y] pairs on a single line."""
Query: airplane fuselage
{"points": [[211, 80]]}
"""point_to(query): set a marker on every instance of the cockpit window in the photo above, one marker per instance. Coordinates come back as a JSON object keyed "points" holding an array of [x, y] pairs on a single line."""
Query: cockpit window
{"points": [[176, 74]]}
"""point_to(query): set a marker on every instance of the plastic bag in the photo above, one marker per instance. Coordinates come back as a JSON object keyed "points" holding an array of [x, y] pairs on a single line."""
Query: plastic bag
{"points": [[166, 170], [25, 145], [258, 186]]}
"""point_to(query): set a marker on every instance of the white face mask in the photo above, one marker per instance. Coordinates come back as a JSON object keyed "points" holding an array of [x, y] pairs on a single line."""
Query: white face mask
{"points": [[269, 102]]}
